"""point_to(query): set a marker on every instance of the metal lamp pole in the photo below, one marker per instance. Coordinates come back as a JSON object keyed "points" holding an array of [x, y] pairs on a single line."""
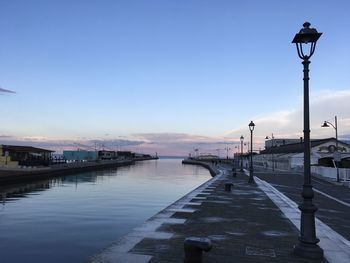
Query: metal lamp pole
{"points": [[242, 138], [307, 246], [273, 161], [251, 176], [325, 124]]}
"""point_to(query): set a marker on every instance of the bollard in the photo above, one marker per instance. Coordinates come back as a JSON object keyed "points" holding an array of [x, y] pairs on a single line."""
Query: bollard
{"points": [[194, 246], [228, 187], [234, 173]]}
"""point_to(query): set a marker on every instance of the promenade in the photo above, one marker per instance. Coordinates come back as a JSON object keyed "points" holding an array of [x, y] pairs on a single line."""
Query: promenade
{"points": [[250, 223]]}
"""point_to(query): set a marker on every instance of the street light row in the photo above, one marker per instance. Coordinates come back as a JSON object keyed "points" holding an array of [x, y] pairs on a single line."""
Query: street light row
{"points": [[308, 242]]}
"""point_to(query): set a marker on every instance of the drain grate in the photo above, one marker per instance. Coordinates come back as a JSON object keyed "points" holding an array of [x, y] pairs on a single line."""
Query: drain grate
{"points": [[256, 251]]}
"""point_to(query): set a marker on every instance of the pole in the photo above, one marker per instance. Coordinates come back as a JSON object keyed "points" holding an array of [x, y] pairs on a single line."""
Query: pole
{"points": [[273, 159], [251, 176], [336, 145], [307, 246], [241, 155]]}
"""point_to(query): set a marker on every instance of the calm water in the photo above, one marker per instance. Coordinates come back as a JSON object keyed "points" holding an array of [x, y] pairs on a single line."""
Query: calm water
{"points": [[69, 219]]}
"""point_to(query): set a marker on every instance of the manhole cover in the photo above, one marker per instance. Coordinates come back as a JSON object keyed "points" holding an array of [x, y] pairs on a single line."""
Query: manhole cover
{"points": [[256, 251]]}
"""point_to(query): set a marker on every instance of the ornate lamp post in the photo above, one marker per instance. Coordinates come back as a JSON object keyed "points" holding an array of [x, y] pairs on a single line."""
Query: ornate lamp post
{"points": [[307, 246], [272, 159], [325, 124], [241, 138], [251, 176]]}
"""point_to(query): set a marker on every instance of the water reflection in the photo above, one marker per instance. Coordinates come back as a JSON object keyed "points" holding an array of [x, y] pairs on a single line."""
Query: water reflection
{"points": [[13, 192], [67, 219]]}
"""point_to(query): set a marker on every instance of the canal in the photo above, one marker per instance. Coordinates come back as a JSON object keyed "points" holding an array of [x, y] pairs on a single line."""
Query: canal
{"points": [[71, 218]]}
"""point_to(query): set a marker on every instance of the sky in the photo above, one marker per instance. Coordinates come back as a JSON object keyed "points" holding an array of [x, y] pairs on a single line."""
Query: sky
{"points": [[168, 76]]}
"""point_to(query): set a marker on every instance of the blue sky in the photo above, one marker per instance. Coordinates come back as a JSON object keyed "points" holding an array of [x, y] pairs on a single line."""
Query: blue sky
{"points": [[170, 75]]}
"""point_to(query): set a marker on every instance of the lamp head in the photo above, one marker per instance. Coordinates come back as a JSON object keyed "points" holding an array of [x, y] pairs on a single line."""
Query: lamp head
{"points": [[305, 36], [242, 138], [325, 124], [251, 126]]}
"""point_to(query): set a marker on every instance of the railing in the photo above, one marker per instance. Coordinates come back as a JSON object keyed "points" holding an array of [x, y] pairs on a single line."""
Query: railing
{"points": [[330, 172]]}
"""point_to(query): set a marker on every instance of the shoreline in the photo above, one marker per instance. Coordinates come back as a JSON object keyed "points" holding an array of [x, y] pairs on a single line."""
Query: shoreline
{"points": [[9, 177]]}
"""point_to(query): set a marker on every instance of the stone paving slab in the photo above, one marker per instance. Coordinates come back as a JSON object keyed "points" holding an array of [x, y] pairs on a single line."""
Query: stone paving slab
{"points": [[336, 247], [244, 226], [334, 211]]}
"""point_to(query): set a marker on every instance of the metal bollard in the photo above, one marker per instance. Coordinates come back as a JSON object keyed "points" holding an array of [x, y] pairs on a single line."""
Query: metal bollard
{"points": [[228, 187], [194, 246], [234, 173]]}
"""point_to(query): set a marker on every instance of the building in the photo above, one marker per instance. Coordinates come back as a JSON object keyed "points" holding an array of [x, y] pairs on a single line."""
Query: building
{"points": [[279, 142], [125, 154], [14, 156], [107, 155], [291, 156], [80, 155]]}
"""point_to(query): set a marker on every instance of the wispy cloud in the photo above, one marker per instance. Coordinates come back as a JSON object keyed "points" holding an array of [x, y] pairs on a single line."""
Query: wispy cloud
{"points": [[289, 123], [6, 91]]}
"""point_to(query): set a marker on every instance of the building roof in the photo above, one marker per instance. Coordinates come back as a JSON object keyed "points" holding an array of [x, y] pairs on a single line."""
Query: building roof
{"points": [[295, 147], [17, 148]]}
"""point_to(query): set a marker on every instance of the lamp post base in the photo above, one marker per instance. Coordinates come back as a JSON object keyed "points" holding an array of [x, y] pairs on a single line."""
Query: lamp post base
{"points": [[311, 251], [251, 180]]}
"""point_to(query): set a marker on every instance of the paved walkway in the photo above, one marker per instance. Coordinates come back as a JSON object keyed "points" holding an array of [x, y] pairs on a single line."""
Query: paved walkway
{"points": [[252, 223], [333, 201]]}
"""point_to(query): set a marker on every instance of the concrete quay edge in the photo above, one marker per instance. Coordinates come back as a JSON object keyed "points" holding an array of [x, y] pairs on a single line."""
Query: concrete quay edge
{"points": [[213, 170]]}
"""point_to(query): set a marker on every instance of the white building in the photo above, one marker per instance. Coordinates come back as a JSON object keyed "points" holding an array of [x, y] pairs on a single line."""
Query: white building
{"points": [[291, 156]]}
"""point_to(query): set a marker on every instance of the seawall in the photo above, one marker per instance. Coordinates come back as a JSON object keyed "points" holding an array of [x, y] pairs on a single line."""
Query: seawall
{"points": [[212, 169]]}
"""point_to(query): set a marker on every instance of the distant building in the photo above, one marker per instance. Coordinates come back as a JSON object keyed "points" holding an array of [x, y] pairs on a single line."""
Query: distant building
{"points": [[207, 157], [80, 155], [107, 155], [279, 142], [125, 154], [14, 156]]}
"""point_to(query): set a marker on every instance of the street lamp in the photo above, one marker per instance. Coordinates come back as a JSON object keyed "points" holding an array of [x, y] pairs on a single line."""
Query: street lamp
{"points": [[325, 124], [307, 246], [227, 149], [247, 144], [241, 138], [251, 176], [273, 161]]}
